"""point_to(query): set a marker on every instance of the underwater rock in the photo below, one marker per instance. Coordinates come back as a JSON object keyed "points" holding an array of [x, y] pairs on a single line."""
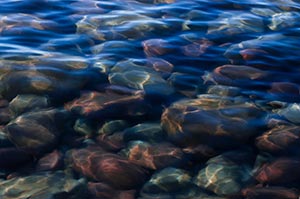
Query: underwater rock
{"points": [[50, 162], [95, 104], [168, 180], [149, 132], [285, 91], [222, 90], [109, 168], [156, 47], [266, 50], [226, 174], [112, 142], [4, 141], [270, 192], [214, 121], [53, 82], [186, 84], [43, 185], [24, 103], [160, 65], [278, 172], [291, 112], [5, 115], [280, 140], [36, 132], [135, 74], [103, 191], [284, 20], [120, 25], [200, 152], [83, 127], [113, 126], [237, 75], [234, 23], [155, 156]]}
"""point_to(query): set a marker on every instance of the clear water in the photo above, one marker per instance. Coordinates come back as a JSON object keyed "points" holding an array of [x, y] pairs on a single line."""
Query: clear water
{"points": [[164, 50]]}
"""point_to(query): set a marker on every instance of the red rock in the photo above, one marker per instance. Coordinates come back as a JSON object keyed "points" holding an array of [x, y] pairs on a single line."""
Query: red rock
{"points": [[108, 168], [270, 193], [51, 161], [197, 48], [281, 171], [104, 191], [108, 104], [160, 65], [281, 139], [252, 53], [156, 156], [112, 142], [155, 47]]}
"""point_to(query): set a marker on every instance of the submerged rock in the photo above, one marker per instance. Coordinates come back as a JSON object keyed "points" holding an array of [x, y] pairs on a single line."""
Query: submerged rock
{"points": [[270, 192], [109, 168], [95, 104], [213, 121], [237, 76], [233, 23], [135, 74], [36, 132], [50, 162], [280, 140], [24, 103], [291, 112], [278, 172], [168, 180], [43, 185], [226, 174], [155, 156], [100, 190], [284, 20], [149, 132]]}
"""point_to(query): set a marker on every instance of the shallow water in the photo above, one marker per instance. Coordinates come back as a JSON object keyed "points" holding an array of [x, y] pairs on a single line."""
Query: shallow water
{"points": [[149, 99]]}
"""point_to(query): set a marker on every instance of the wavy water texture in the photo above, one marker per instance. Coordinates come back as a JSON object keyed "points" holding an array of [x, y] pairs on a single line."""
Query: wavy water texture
{"points": [[150, 98]]}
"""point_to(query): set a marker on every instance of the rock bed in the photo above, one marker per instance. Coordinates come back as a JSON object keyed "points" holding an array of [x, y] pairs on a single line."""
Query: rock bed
{"points": [[151, 99]]}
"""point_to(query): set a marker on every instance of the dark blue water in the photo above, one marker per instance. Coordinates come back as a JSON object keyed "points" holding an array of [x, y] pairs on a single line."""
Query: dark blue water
{"points": [[149, 99]]}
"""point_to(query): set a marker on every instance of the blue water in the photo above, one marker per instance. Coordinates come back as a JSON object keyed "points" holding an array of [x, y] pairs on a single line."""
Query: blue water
{"points": [[226, 53]]}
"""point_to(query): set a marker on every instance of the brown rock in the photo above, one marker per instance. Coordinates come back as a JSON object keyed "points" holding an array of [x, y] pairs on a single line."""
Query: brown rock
{"points": [[270, 192], [280, 171], [50, 162], [108, 168], [155, 156], [280, 140], [155, 47], [109, 104]]}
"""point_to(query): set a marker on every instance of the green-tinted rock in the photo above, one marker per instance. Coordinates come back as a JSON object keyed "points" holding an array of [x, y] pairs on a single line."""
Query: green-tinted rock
{"points": [[168, 180], [36, 132], [149, 132], [135, 74], [43, 186], [113, 126], [226, 174], [24, 103]]}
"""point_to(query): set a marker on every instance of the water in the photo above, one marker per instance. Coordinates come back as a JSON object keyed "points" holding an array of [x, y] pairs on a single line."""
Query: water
{"points": [[149, 99]]}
